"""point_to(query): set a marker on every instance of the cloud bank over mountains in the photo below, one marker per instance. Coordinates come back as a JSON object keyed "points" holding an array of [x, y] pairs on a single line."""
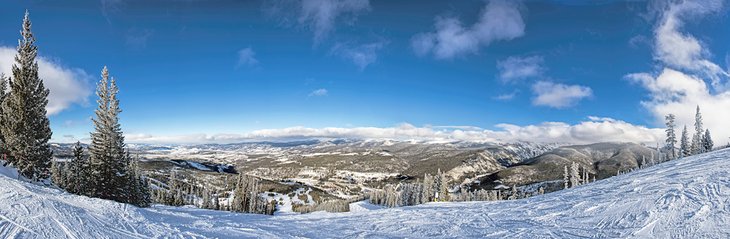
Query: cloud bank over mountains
{"points": [[592, 130]]}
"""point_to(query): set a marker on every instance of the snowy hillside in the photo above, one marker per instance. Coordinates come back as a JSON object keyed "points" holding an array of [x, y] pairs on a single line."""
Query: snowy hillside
{"points": [[687, 198]]}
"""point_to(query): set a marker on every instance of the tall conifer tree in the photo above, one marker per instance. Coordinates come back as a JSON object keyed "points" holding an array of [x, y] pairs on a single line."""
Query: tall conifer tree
{"points": [[697, 144], [25, 126], [671, 137], [3, 94], [707, 141], [113, 176], [684, 146]]}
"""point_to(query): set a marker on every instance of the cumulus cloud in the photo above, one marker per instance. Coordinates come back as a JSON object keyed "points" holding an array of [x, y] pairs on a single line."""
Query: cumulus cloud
{"points": [[247, 57], [499, 20], [319, 16], [318, 92], [360, 55], [674, 92], [680, 50], [593, 130], [682, 83], [558, 95], [67, 86], [516, 68]]}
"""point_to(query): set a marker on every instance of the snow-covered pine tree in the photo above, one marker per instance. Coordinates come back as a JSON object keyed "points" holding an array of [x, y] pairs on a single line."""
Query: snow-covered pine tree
{"points": [[671, 137], [513, 193], [25, 126], [574, 175], [566, 176], [443, 188], [216, 201], [697, 145], [437, 181], [427, 195], [684, 150], [707, 141], [207, 200]]}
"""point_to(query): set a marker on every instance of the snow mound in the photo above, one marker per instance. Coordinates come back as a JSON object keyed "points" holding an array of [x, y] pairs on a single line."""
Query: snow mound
{"points": [[685, 198]]}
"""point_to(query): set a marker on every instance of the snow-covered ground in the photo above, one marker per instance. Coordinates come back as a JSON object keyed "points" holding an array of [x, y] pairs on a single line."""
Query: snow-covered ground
{"points": [[685, 198]]}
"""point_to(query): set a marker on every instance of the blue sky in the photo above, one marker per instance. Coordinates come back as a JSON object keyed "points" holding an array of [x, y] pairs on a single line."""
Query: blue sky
{"points": [[216, 71]]}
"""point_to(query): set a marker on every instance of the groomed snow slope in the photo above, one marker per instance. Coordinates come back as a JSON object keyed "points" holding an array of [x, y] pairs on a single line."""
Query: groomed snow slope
{"points": [[687, 198]]}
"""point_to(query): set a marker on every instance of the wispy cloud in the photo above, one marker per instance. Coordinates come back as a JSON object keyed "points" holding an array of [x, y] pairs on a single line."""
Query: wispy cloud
{"points": [[507, 96], [318, 16], [499, 20], [67, 86], [360, 55], [681, 50], [516, 68], [109, 7], [318, 92], [681, 83], [558, 95], [137, 38], [247, 57]]}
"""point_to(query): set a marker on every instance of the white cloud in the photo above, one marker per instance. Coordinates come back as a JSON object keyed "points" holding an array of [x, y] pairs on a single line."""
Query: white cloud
{"points": [[360, 55], [506, 97], [137, 38], [674, 92], [558, 95], [591, 131], [680, 86], [67, 86], [318, 92], [680, 50], [319, 16], [518, 68], [110, 6], [499, 20], [247, 57]]}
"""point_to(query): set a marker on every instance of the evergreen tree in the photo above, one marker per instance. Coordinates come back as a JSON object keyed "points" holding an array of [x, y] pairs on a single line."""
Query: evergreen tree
{"points": [[574, 175], [707, 141], [57, 174], [25, 127], [443, 187], [671, 137], [427, 195], [684, 150], [697, 145], [79, 172], [113, 176], [3, 94], [566, 177]]}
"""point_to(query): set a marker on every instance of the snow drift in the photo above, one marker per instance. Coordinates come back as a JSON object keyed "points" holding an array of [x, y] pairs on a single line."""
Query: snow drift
{"points": [[687, 198]]}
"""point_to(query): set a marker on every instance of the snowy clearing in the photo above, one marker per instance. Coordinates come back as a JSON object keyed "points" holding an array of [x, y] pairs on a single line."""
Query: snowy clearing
{"points": [[685, 198]]}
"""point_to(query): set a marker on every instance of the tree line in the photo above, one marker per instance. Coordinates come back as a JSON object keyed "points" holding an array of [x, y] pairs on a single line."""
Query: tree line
{"points": [[25, 131], [242, 196], [435, 188], [701, 141]]}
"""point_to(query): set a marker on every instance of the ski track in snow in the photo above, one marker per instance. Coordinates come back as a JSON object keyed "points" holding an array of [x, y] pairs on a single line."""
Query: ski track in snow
{"points": [[685, 198]]}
